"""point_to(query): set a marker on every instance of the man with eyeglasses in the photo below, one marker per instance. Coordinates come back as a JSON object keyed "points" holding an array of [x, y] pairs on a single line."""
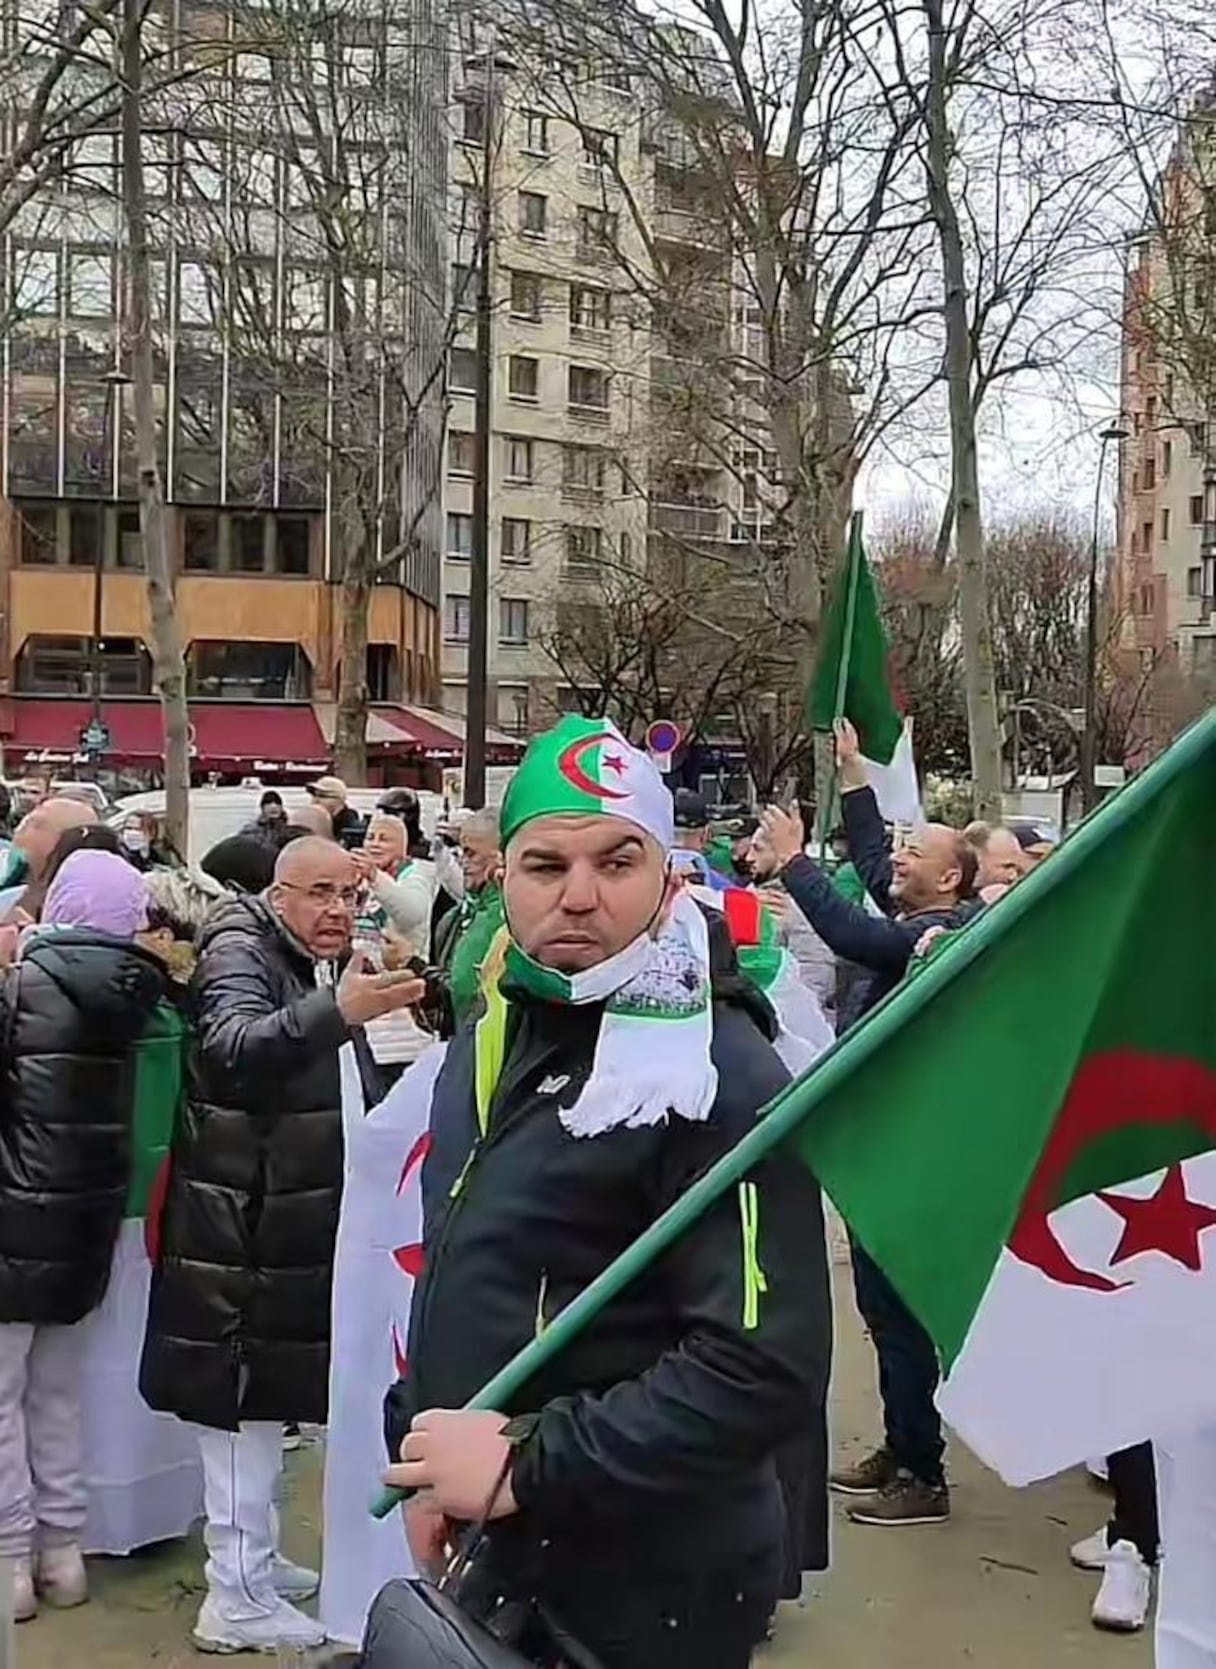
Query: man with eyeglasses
{"points": [[238, 1323]]}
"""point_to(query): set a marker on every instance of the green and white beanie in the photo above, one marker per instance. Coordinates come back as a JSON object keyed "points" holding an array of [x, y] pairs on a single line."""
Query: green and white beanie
{"points": [[586, 768]]}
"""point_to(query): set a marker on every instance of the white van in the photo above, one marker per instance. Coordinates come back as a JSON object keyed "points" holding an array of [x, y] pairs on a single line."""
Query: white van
{"points": [[216, 813]]}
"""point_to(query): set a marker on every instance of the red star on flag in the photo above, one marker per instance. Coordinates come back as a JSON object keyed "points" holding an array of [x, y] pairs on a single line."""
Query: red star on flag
{"points": [[614, 763], [1168, 1221]]}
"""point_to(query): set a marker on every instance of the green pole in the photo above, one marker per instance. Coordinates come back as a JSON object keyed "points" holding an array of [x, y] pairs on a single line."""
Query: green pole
{"points": [[832, 1071], [852, 581]]}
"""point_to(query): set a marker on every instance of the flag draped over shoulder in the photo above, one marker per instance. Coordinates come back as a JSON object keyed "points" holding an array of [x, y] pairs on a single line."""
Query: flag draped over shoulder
{"points": [[853, 681]]}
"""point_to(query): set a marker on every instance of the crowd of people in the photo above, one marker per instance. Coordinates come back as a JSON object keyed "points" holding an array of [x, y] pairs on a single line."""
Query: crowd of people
{"points": [[619, 995]]}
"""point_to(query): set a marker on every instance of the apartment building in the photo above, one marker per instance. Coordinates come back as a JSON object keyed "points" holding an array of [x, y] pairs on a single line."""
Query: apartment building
{"points": [[255, 333], [599, 462], [1165, 575]]}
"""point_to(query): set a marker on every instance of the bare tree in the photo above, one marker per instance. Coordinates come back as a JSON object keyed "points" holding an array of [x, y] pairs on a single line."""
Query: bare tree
{"points": [[168, 655], [338, 330]]}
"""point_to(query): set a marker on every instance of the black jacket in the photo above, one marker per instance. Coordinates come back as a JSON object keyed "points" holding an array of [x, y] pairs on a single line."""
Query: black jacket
{"points": [[655, 1430], [238, 1323], [71, 1010], [869, 844]]}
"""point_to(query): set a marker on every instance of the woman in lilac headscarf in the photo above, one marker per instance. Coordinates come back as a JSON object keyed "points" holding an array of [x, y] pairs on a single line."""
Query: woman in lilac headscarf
{"points": [[71, 1010]]}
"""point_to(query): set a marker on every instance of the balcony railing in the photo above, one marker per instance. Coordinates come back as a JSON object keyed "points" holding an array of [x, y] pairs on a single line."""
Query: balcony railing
{"points": [[688, 521]]}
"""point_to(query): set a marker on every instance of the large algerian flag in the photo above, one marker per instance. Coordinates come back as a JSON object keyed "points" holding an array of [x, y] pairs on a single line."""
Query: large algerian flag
{"points": [[853, 681], [1024, 1138]]}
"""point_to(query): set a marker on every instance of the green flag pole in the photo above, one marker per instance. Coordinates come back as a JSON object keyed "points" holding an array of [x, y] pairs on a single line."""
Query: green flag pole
{"points": [[842, 672], [783, 1115]]}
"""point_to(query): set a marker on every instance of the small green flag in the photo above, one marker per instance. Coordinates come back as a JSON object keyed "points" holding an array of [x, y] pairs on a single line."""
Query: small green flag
{"points": [[852, 678]]}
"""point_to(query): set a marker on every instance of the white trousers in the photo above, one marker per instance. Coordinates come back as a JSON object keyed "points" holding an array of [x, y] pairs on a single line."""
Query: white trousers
{"points": [[240, 1475], [1186, 1596], [42, 1487]]}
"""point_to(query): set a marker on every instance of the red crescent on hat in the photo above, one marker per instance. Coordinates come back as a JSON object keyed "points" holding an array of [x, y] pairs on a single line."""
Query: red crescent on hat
{"points": [[570, 764]]}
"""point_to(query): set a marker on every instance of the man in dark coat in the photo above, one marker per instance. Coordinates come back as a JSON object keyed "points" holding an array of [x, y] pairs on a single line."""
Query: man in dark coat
{"points": [[634, 1495], [238, 1323], [923, 884]]}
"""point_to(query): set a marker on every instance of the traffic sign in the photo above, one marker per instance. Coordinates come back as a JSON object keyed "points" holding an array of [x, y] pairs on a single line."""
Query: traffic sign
{"points": [[663, 737]]}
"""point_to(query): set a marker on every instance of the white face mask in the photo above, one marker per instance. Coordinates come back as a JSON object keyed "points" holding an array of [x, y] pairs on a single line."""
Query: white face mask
{"points": [[135, 840]]}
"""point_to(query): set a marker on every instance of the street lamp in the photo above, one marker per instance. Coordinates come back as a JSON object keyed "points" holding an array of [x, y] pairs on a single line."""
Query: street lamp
{"points": [[1116, 432]]}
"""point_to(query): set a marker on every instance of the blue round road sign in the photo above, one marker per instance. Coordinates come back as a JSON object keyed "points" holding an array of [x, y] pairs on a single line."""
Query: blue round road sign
{"points": [[663, 736]]}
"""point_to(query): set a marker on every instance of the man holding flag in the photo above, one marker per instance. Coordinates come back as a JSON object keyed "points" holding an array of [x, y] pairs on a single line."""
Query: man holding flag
{"points": [[633, 1493]]}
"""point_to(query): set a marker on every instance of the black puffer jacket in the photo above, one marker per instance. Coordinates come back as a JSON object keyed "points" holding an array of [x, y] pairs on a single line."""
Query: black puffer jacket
{"points": [[72, 1009], [238, 1324], [656, 1428]]}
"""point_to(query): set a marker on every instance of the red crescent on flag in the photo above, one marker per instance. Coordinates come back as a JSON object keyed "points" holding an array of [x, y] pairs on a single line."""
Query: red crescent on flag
{"points": [[1112, 1091], [414, 1159], [570, 764]]}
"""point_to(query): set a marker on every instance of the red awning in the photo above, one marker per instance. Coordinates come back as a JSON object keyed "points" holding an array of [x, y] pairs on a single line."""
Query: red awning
{"points": [[441, 735], [224, 734]]}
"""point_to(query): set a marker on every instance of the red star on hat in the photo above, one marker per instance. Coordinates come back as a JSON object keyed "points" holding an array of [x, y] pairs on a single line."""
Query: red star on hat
{"points": [[1168, 1221], [614, 763]]}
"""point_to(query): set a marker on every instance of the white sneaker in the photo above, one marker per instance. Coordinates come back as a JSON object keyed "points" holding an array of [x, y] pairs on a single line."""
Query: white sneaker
{"points": [[60, 1577], [293, 1581], [25, 1595], [1091, 1553], [1127, 1585], [278, 1629]]}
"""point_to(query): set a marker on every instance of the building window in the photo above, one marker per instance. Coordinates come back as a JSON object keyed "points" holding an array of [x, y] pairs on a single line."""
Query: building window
{"points": [[455, 619], [1199, 439], [523, 377], [536, 133], [1165, 524], [1146, 599], [533, 213], [462, 449], [596, 232], [525, 295], [460, 535], [1146, 544], [247, 545], [86, 535], [516, 539], [1194, 582], [583, 470], [64, 666], [519, 460], [584, 547], [590, 309], [513, 710], [588, 389], [248, 671], [600, 149], [39, 528], [1150, 474], [35, 282], [291, 546], [130, 543], [1167, 458], [201, 542], [472, 121], [513, 620], [90, 287], [1197, 510], [383, 672], [462, 371]]}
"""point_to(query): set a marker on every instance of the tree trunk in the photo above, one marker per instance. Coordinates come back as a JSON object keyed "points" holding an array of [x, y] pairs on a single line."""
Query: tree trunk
{"points": [[350, 725], [169, 661], [979, 677]]}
